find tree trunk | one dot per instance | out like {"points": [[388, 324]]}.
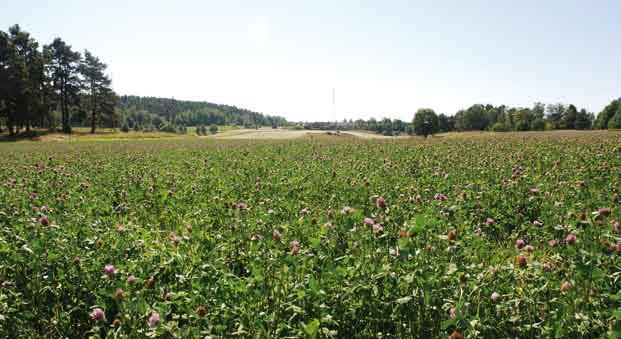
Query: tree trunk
{"points": [[93, 122], [9, 126]]}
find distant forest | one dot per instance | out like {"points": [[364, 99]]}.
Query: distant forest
{"points": [[150, 112]]}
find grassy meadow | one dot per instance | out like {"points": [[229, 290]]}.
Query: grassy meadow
{"points": [[476, 235]]}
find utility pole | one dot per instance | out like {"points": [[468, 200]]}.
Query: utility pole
{"points": [[336, 123]]}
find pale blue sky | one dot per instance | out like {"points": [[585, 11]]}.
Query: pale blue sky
{"points": [[385, 58]]}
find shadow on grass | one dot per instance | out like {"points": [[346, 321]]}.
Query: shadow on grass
{"points": [[33, 135]]}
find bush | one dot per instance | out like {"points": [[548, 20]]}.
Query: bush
{"points": [[499, 127], [615, 121], [538, 125], [522, 126], [213, 129], [168, 128]]}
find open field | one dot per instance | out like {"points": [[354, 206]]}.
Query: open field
{"points": [[225, 132], [506, 235]]}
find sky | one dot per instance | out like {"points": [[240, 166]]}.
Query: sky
{"points": [[379, 58]]}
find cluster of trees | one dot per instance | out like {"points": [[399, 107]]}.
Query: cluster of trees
{"points": [[150, 111], [202, 130], [610, 116], [40, 85], [502, 118], [384, 126]]}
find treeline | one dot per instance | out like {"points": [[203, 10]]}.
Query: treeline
{"points": [[149, 112], [384, 126], [51, 85], [481, 117], [501, 119]]}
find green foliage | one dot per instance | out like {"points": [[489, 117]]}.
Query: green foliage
{"points": [[538, 125], [499, 127], [607, 113], [425, 122], [615, 121], [206, 227], [213, 129], [194, 113], [100, 99], [583, 120]]}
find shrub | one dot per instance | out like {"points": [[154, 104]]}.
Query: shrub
{"points": [[213, 129], [499, 127], [615, 121], [538, 125]]}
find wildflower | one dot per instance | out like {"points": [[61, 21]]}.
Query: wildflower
{"points": [[380, 202], [495, 296], [201, 311], [294, 246], [452, 235], [520, 243], [566, 286], [616, 226], [43, 220], [154, 319], [489, 221], [150, 283], [604, 211], [119, 294], [120, 228], [440, 197], [131, 280], [97, 314], [455, 335], [276, 236], [109, 270], [378, 228], [521, 261], [552, 242], [369, 221], [529, 248], [570, 239], [538, 223]]}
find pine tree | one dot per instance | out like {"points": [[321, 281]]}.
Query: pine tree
{"points": [[100, 97], [64, 71]]}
